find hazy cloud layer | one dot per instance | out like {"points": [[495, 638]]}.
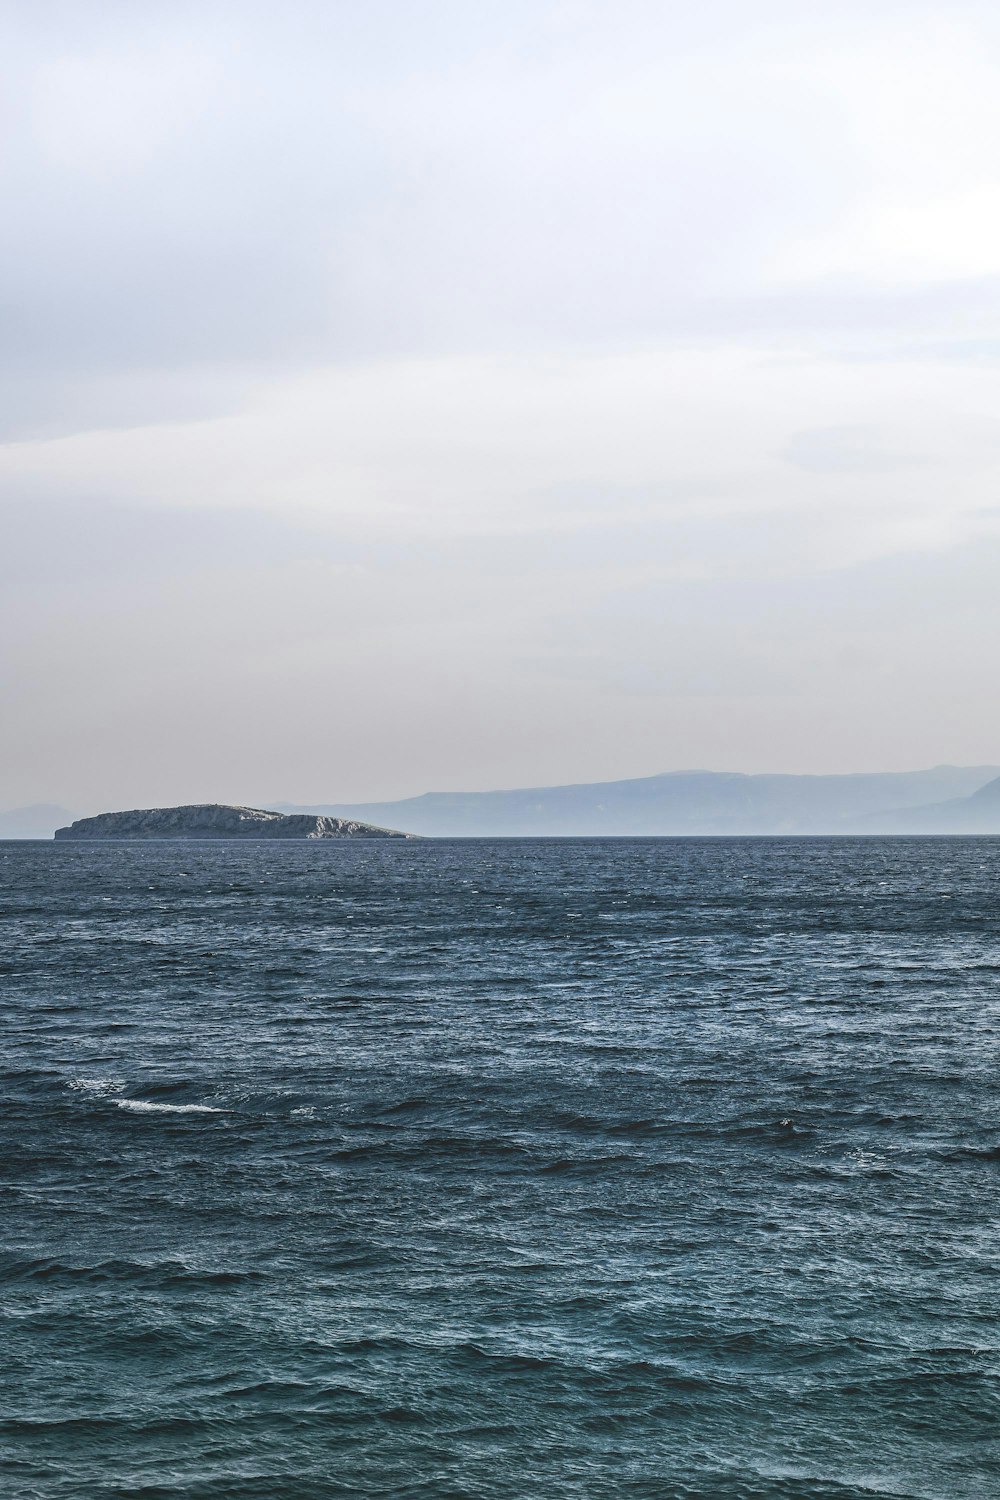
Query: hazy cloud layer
{"points": [[463, 394]]}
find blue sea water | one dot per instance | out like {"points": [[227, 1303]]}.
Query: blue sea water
{"points": [[660, 1170]]}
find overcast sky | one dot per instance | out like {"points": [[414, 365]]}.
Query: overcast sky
{"points": [[449, 394]]}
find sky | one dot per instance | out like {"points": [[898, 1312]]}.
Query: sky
{"points": [[456, 394]]}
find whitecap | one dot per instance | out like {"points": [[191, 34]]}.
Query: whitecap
{"points": [[150, 1106], [99, 1086]]}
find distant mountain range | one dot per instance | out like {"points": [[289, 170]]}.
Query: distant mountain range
{"points": [[979, 813], [39, 821], [944, 799]]}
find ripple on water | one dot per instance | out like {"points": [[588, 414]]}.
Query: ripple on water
{"points": [[663, 1170]]}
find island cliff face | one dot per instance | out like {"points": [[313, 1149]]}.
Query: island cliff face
{"points": [[215, 821]]}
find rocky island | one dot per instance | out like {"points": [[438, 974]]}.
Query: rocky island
{"points": [[214, 820]]}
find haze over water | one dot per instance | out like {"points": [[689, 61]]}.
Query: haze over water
{"points": [[500, 1169]]}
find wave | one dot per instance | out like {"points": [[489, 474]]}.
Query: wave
{"points": [[509, 1211], [101, 1088], [170, 1272], [113, 1090], [152, 1107]]}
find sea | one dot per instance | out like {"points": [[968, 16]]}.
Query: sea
{"points": [[619, 1169]]}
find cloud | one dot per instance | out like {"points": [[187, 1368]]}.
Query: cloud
{"points": [[425, 450], [447, 394], [857, 449], [209, 189]]}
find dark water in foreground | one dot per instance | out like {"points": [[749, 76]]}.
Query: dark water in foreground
{"points": [[439, 1170]]}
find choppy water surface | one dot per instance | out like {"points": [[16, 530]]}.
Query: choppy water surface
{"points": [[438, 1170]]}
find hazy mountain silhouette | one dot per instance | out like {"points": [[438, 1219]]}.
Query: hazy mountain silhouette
{"points": [[39, 821], [682, 802], [979, 813]]}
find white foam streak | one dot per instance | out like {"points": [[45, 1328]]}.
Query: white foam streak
{"points": [[148, 1106]]}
